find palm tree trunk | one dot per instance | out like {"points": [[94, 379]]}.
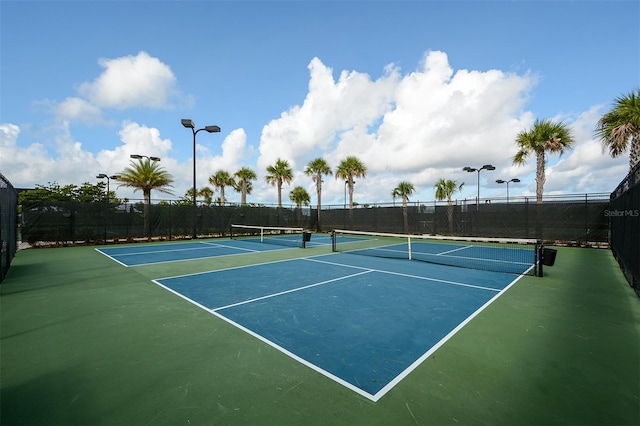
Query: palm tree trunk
{"points": [[540, 176], [634, 152], [147, 201], [279, 193], [350, 192], [405, 215], [243, 197], [450, 212]]}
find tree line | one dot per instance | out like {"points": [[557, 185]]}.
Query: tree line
{"points": [[618, 130]]}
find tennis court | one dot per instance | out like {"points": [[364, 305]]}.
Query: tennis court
{"points": [[281, 335], [363, 322]]}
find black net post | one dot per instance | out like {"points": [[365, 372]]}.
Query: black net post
{"points": [[333, 241], [538, 258]]}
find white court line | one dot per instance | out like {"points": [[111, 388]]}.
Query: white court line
{"points": [[437, 346], [209, 246], [451, 251], [292, 290], [382, 271], [228, 269], [112, 258]]}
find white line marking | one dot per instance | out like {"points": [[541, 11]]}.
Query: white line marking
{"points": [[437, 346], [292, 290], [406, 275]]}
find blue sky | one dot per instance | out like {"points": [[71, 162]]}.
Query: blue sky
{"points": [[417, 90]]}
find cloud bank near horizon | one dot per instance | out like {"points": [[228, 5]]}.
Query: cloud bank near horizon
{"points": [[417, 126]]}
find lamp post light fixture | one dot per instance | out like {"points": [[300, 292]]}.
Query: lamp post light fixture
{"points": [[188, 123], [472, 169], [138, 157], [106, 221], [515, 180]]}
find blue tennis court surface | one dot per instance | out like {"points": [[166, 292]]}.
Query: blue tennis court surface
{"points": [[134, 255], [364, 322]]}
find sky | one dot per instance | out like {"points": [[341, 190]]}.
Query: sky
{"points": [[416, 90]]}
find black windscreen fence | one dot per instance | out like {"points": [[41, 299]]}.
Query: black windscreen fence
{"points": [[8, 224], [575, 221], [624, 214], [72, 223], [568, 221]]}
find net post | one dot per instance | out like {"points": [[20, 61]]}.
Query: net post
{"points": [[409, 246], [231, 231], [333, 241], [262, 235], [538, 258]]}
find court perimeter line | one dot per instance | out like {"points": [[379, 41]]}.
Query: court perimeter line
{"points": [[301, 360], [112, 258], [228, 269], [382, 271], [389, 386], [209, 246]]}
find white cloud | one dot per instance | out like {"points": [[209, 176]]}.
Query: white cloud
{"points": [[330, 108], [8, 135], [586, 167], [77, 110], [131, 81], [420, 125]]}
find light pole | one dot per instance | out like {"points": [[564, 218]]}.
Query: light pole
{"points": [[106, 213], [515, 180], [188, 123], [472, 169]]}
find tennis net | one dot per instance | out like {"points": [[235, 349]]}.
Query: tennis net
{"points": [[292, 237], [514, 256]]}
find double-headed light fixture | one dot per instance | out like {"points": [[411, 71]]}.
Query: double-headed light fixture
{"points": [[514, 180], [472, 169], [188, 123], [139, 157]]}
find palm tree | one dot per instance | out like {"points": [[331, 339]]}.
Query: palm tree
{"points": [[619, 128], [545, 136], [444, 191], [146, 175], [300, 196], [207, 193], [277, 174], [318, 168], [403, 190], [221, 179], [348, 169], [244, 176]]}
